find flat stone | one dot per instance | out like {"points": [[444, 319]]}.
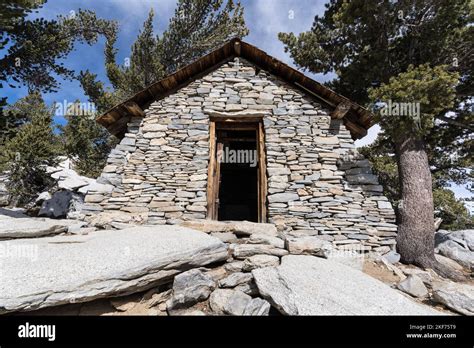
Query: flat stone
{"points": [[158, 142], [414, 286], [310, 245], [283, 197], [97, 188], [456, 252], [266, 239], [242, 251], [384, 205], [278, 171], [308, 285], [234, 266], [465, 235], [257, 307], [240, 228], [235, 302], [224, 236], [392, 257], [235, 279], [425, 276], [31, 227], [458, 297], [154, 127], [191, 287], [260, 261], [326, 140], [67, 269]]}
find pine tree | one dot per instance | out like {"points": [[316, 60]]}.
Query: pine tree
{"points": [[36, 47], [31, 150], [197, 27], [86, 142], [369, 42]]}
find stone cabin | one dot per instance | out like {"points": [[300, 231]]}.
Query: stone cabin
{"points": [[239, 135]]}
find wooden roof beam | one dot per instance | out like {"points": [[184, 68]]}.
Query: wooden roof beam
{"points": [[341, 110], [134, 109]]}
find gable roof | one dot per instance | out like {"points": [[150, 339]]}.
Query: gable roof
{"points": [[355, 117]]}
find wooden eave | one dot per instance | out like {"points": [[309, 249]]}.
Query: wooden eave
{"points": [[355, 117]]}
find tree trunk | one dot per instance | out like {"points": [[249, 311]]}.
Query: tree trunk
{"points": [[415, 240]]}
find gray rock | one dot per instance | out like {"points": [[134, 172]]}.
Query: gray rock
{"points": [[69, 180], [248, 288], [458, 297], [31, 227], [310, 245], [65, 269], [57, 206], [467, 236], [283, 197], [240, 228], [456, 252], [4, 196], [186, 312], [414, 286], [392, 257], [224, 236], [308, 285], [463, 237], [191, 287], [384, 205], [425, 276], [326, 140], [242, 251], [257, 307], [234, 266], [96, 187], [260, 261], [265, 239], [153, 299], [448, 262], [235, 279], [226, 301]]}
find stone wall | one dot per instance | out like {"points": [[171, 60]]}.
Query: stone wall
{"points": [[317, 182]]}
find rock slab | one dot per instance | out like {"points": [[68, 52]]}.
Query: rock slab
{"points": [[459, 297], [308, 285], [80, 268], [29, 227]]}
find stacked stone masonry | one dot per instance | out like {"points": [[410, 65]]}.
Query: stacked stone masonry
{"points": [[317, 182]]}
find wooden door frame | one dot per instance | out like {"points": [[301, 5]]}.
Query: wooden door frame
{"points": [[236, 123]]}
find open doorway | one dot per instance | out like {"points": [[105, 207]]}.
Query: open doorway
{"points": [[238, 187], [237, 171]]}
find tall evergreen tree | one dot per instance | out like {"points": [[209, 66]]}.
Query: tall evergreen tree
{"points": [[197, 27], [34, 147], [369, 42], [85, 142], [36, 47]]}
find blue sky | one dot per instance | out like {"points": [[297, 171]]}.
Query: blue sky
{"points": [[264, 18]]}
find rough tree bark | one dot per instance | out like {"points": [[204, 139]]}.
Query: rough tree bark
{"points": [[415, 240]]}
